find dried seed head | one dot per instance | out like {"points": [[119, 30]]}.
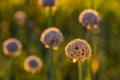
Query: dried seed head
{"points": [[20, 17], [12, 47], [48, 3], [89, 18], [78, 49], [33, 64], [51, 37]]}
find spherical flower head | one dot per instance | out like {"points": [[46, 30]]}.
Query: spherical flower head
{"points": [[48, 3], [78, 49], [51, 37], [12, 47], [89, 18], [20, 17], [33, 64]]}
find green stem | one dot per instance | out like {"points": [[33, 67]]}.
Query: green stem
{"points": [[11, 69], [49, 64], [94, 39], [50, 17], [50, 52], [88, 75], [79, 70], [32, 76], [22, 33]]}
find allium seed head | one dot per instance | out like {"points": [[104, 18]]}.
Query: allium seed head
{"points": [[51, 37], [89, 18], [12, 47], [78, 49], [48, 3], [20, 17], [33, 64]]}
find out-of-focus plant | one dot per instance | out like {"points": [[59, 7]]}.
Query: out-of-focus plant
{"points": [[78, 50], [12, 47], [33, 64], [51, 38], [89, 18]]}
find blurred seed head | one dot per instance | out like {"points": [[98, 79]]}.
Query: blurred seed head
{"points": [[20, 17], [95, 29], [30, 24], [51, 38], [95, 64], [12, 47], [4, 28], [89, 18], [48, 3], [33, 64], [78, 49]]}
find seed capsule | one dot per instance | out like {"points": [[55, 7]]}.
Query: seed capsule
{"points": [[78, 49]]}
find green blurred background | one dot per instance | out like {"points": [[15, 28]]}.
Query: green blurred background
{"points": [[64, 17]]}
